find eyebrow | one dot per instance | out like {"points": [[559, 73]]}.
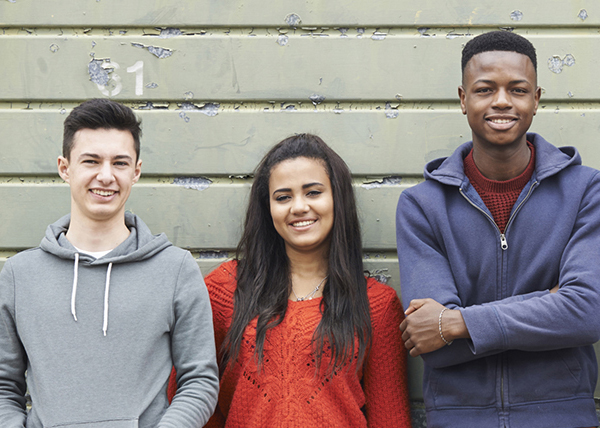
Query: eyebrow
{"points": [[304, 186], [96, 156], [512, 82]]}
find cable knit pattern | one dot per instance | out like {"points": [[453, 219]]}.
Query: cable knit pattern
{"points": [[287, 392]]}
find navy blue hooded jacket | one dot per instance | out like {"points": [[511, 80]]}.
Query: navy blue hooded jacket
{"points": [[529, 361]]}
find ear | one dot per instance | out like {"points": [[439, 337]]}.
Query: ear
{"points": [[538, 95], [462, 95], [63, 168], [138, 171]]}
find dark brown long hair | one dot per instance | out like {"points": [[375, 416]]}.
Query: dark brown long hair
{"points": [[263, 265]]}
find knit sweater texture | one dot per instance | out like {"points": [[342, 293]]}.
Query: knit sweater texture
{"points": [[287, 391], [499, 196]]}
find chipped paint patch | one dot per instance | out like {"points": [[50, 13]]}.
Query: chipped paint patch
{"points": [[423, 31], [209, 109], [151, 85], [343, 31], [208, 254], [157, 51], [293, 20], [98, 72], [516, 15], [386, 181], [556, 63], [391, 112], [582, 14], [169, 32], [316, 99], [377, 35], [195, 183], [282, 39], [189, 95], [53, 48], [570, 94]]}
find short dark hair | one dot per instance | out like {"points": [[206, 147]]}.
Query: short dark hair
{"points": [[498, 41], [101, 113]]}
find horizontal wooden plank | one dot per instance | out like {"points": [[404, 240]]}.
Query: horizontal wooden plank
{"points": [[242, 68], [209, 219], [310, 12], [233, 142]]}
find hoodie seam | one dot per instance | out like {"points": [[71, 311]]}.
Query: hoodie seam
{"points": [[176, 287]]}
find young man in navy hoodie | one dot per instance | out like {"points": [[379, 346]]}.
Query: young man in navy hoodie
{"points": [[500, 262], [101, 311]]}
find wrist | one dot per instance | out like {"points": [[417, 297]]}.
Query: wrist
{"points": [[453, 325]]}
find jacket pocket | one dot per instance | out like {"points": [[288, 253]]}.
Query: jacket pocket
{"points": [[540, 376], [468, 384]]}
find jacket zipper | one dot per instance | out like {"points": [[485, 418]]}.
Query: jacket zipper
{"points": [[504, 247]]}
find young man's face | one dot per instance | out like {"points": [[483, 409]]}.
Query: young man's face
{"points": [[101, 170], [500, 96]]}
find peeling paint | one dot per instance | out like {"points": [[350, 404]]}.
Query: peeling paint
{"points": [[399, 97], [288, 108], [423, 31], [338, 110], [316, 99], [209, 109], [386, 181], [53, 48], [377, 35], [154, 50], [188, 95], [391, 112], [556, 63], [343, 32], [212, 255], [63, 111], [293, 20], [582, 14], [98, 72], [167, 33], [360, 32], [151, 85], [195, 183], [570, 94], [516, 15], [379, 275], [282, 39]]}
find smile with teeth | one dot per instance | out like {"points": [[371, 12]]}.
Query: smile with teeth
{"points": [[500, 120], [303, 223], [103, 192]]}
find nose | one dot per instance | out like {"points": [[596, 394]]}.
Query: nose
{"points": [[502, 99], [299, 206], [105, 173]]}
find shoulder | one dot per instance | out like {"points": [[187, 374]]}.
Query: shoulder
{"points": [[380, 296], [27, 259], [221, 282]]}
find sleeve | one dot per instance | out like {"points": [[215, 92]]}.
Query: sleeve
{"points": [[566, 319], [385, 378], [193, 350], [425, 273], [13, 360]]}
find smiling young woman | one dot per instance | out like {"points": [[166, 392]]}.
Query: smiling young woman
{"points": [[304, 338]]}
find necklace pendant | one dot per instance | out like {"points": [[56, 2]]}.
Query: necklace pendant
{"points": [[300, 299]]}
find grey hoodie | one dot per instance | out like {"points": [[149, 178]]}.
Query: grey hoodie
{"points": [[98, 337]]}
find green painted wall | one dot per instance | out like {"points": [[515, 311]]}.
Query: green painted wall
{"points": [[217, 83]]}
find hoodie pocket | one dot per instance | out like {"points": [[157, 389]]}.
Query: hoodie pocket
{"points": [[108, 423], [539, 376]]}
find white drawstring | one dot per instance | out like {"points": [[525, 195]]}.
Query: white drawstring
{"points": [[74, 292], [107, 287]]}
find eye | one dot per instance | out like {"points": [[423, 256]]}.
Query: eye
{"points": [[483, 90], [314, 193], [282, 198], [520, 90], [90, 161], [121, 163]]}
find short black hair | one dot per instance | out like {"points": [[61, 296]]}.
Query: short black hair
{"points": [[101, 113], [498, 41]]}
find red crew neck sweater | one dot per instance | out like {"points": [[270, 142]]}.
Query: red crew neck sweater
{"points": [[287, 392], [499, 196]]}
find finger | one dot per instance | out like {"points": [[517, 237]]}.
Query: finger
{"points": [[403, 325]]}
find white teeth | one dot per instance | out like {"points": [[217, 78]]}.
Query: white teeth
{"points": [[102, 192], [303, 223], [501, 120]]}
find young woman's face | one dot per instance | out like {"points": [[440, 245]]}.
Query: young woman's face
{"points": [[301, 202]]}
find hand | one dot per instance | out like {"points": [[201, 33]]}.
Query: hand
{"points": [[420, 329]]}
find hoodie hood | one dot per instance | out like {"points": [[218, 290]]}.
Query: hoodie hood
{"points": [[548, 161], [139, 245]]}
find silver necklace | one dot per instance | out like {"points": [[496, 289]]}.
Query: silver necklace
{"points": [[310, 295]]}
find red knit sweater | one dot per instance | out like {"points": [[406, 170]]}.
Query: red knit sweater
{"points": [[499, 196], [286, 392]]}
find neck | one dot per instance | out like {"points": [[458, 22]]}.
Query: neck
{"points": [[307, 270], [503, 163], [92, 235]]}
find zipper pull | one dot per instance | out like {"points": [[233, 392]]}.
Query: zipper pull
{"points": [[503, 242]]}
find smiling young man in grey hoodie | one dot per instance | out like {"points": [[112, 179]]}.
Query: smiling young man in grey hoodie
{"points": [[101, 311]]}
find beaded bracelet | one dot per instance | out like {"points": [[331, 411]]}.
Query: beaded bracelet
{"points": [[440, 328]]}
